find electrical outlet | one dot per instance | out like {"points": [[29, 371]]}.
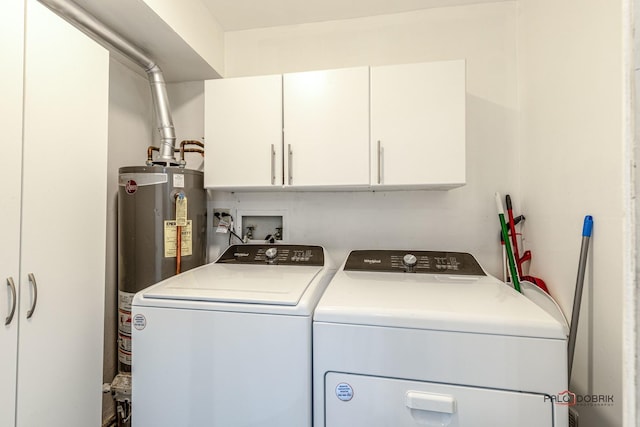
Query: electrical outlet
{"points": [[219, 213]]}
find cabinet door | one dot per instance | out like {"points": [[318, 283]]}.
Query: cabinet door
{"points": [[63, 224], [326, 128], [243, 132], [418, 125], [11, 68]]}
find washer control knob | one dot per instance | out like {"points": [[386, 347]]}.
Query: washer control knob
{"points": [[271, 253], [409, 260]]}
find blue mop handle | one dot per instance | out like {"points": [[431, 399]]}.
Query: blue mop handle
{"points": [[587, 228]]}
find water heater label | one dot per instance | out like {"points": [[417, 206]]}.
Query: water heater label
{"points": [[344, 392], [124, 300], [181, 210], [171, 239], [178, 180], [124, 349], [124, 326], [124, 312], [124, 357]]}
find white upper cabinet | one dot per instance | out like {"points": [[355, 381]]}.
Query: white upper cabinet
{"points": [[387, 128], [418, 125], [243, 133], [326, 128]]}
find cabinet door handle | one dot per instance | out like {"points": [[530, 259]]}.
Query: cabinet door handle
{"points": [[32, 280], [290, 165], [379, 162], [273, 164], [14, 299]]}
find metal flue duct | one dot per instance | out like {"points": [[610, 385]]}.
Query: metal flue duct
{"points": [[84, 21]]}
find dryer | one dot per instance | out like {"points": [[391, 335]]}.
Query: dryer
{"points": [[426, 338], [229, 343]]}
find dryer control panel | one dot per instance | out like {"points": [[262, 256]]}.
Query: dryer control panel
{"points": [[399, 261], [273, 254]]}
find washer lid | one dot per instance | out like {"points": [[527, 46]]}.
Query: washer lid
{"points": [[475, 304], [247, 284], [272, 275]]}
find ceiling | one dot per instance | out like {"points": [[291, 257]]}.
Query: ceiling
{"points": [[236, 15]]}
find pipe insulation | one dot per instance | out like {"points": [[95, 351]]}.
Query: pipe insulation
{"points": [[85, 22]]}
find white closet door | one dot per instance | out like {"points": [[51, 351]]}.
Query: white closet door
{"points": [[326, 128], [64, 222], [11, 68]]}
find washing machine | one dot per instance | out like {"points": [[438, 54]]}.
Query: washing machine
{"points": [[228, 344], [428, 338]]}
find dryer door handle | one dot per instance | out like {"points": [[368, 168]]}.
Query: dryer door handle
{"points": [[432, 402]]}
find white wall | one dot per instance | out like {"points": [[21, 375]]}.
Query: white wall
{"points": [[187, 106], [462, 219], [574, 162], [130, 118]]}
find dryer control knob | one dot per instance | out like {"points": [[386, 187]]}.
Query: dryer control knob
{"points": [[409, 260], [271, 253]]}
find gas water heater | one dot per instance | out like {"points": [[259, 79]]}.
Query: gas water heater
{"points": [[161, 232]]}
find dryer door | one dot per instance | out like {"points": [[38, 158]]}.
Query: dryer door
{"points": [[358, 400]]}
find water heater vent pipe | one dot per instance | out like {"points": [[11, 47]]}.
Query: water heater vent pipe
{"points": [[88, 24]]}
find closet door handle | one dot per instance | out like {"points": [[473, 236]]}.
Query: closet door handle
{"points": [[379, 162], [32, 280], [273, 164], [290, 164], [14, 299]]}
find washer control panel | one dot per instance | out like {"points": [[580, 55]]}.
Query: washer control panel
{"points": [[273, 254], [401, 261]]}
